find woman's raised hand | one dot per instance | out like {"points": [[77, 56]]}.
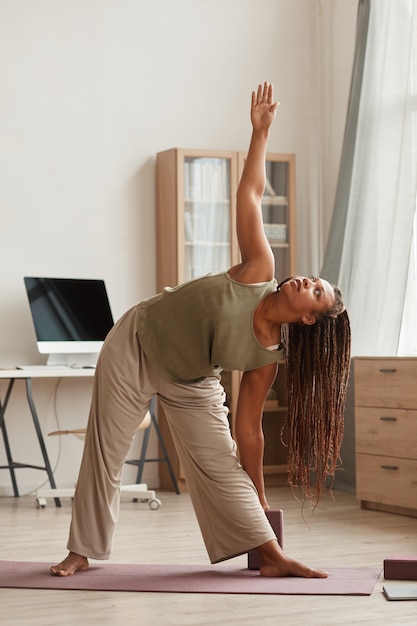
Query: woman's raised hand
{"points": [[263, 108]]}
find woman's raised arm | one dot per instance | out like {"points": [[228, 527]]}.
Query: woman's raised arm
{"points": [[257, 259]]}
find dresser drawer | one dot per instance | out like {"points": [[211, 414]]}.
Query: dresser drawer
{"points": [[386, 382], [387, 432], [387, 480]]}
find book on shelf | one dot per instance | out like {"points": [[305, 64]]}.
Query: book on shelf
{"points": [[276, 232], [206, 179]]}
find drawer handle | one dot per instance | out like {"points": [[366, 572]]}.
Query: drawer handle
{"points": [[387, 418], [389, 467], [387, 370]]}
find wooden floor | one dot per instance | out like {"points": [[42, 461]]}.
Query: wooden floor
{"points": [[338, 534]]}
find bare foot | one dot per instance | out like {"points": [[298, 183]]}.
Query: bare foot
{"points": [[275, 563], [290, 567], [73, 563]]}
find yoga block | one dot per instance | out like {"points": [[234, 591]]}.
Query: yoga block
{"points": [[276, 519], [401, 567]]}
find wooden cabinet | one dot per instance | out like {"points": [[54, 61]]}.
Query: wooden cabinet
{"points": [[278, 212], [386, 433], [196, 234]]}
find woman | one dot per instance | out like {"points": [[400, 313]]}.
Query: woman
{"points": [[175, 345]]}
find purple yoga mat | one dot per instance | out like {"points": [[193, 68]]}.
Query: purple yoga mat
{"points": [[187, 579]]}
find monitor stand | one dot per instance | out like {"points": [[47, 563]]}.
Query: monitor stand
{"points": [[77, 361]]}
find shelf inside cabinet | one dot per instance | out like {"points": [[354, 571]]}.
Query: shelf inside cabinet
{"points": [[272, 405], [222, 201], [223, 244], [275, 469], [275, 200], [275, 244]]}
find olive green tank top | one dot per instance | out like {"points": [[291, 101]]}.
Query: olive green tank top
{"points": [[204, 326]]}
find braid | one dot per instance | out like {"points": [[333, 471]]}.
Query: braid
{"points": [[318, 359]]}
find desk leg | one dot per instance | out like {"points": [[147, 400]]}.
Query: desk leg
{"points": [[6, 439], [40, 437]]}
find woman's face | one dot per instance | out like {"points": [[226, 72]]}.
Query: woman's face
{"points": [[307, 297]]}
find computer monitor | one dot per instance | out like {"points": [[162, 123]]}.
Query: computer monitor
{"points": [[72, 317]]}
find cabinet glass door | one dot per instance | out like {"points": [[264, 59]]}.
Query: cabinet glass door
{"points": [[207, 215], [275, 212], [278, 210]]}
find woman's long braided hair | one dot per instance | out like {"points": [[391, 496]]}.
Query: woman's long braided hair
{"points": [[318, 360]]}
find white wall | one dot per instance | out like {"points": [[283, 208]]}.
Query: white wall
{"points": [[91, 90]]}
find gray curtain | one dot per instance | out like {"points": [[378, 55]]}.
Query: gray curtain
{"points": [[333, 255], [370, 239]]}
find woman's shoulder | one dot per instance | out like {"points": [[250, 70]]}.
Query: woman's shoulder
{"points": [[272, 283]]}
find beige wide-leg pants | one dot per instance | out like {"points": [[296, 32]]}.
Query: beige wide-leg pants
{"points": [[224, 498]]}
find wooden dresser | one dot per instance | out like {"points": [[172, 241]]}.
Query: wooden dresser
{"points": [[386, 433]]}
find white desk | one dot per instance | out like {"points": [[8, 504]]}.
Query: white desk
{"points": [[27, 375]]}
